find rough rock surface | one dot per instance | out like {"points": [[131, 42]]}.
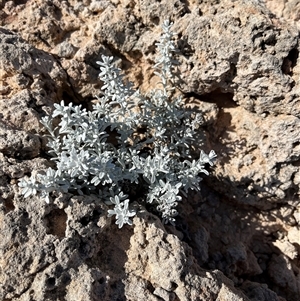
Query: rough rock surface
{"points": [[237, 240]]}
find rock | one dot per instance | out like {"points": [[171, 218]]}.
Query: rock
{"points": [[287, 248], [251, 177], [75, 265], [294, 235], [237, 239], [255, 291], [286, 10], [201, 238], [163, 294], [297, 216], [19, 144], [284, 276], [17, 112], [184, 280]]}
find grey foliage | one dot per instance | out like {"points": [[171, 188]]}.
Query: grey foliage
{"points": [[127, 141]]}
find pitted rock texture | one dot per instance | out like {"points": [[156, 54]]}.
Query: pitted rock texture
{"points": [[239, 239]]}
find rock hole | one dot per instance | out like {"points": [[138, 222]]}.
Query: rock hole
{"points": [[184, 47], [20, 2], [155, 20], [96, 214], [150, 287], [238, 21], [296, 163], [221, 99], [295, 144], [290, 62], [65, 279], [173, 286], [232, 72], [151, 50], [25, 218], [136, 54], [84, 221], [56, 222], [67, 98], [9, 205], [292, 192], [84, 249], [50, 281]]}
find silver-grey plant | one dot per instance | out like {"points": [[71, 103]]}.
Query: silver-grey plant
{"points": [[128, 142]]}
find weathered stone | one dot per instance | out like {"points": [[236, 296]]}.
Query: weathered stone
{"points": [[19, 144], [240, 66], [282, 273], [255, 291], [286, 248]]}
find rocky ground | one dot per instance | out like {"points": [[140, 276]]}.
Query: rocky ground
{"points": [[239, 239]]}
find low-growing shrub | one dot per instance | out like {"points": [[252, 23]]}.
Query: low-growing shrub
{"points": [[130, 144]]}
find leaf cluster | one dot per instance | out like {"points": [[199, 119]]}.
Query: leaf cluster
{"points": [[128, 141]]}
